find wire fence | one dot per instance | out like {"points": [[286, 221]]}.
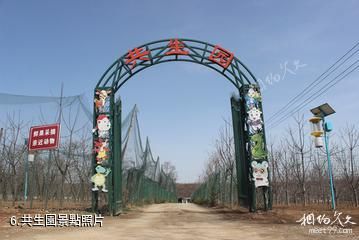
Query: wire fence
{"points": [[63, 176], [220, 188], [145, 180], [140, 189]]}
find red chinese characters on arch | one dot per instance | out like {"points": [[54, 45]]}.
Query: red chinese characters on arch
{"points": [[44, 137], [136, 54], [176, 48], [221, 56]]}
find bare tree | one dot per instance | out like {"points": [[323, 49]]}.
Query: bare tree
{"points": [[319, 172], [225, 151], [169, 170], [286, 170], [298, 147], [350, 139], [64, 161], [13, 152]]}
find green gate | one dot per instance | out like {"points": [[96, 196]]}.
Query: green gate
{"points": [[248, 125]]}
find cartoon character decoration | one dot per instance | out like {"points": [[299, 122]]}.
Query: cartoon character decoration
{"points": [[99, 179], [100, 101], [101, 148], [259, 163], [253, 93], [102, 138], [257, 146], [260, 173], [252, 98], [254, 120], [103, 125]]}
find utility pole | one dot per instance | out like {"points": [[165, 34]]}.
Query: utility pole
{"points": [[326, 140], [319, 128]]}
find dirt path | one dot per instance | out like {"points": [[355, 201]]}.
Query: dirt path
{"points": [[170, 221]]}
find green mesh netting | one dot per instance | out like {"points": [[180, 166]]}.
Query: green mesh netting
{"points": [[143, 178], [218, 188], [144, 181]]}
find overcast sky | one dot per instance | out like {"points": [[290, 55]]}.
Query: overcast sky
{"points": [[182, 105]]}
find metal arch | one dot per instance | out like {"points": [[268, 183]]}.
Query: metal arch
{"points": [[119, 72]]}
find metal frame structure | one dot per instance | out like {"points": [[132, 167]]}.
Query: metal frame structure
{"points": [[170, 50], [119, 72]]}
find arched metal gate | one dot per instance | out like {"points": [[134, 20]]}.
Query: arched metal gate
{"points": [[247, 114]]}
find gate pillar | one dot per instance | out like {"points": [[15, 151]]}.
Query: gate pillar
{"points": [[241, 156], [255, 142]]}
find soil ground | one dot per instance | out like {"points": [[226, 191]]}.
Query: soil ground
{"points": [[180, 221]]}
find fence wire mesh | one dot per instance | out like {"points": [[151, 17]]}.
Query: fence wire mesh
{"points": [[219, 188], [144, 179]]}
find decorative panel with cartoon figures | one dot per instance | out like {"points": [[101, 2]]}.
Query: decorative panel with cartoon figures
{"points": [[102, 100], [102, 135], [256, 137]]}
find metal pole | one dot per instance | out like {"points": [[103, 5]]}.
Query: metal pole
{"points": [[48, 181], [31, 177], [329, 165], [26, 173]]}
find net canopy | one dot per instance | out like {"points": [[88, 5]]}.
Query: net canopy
{"points": [[144, 179], [76, 100]]}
